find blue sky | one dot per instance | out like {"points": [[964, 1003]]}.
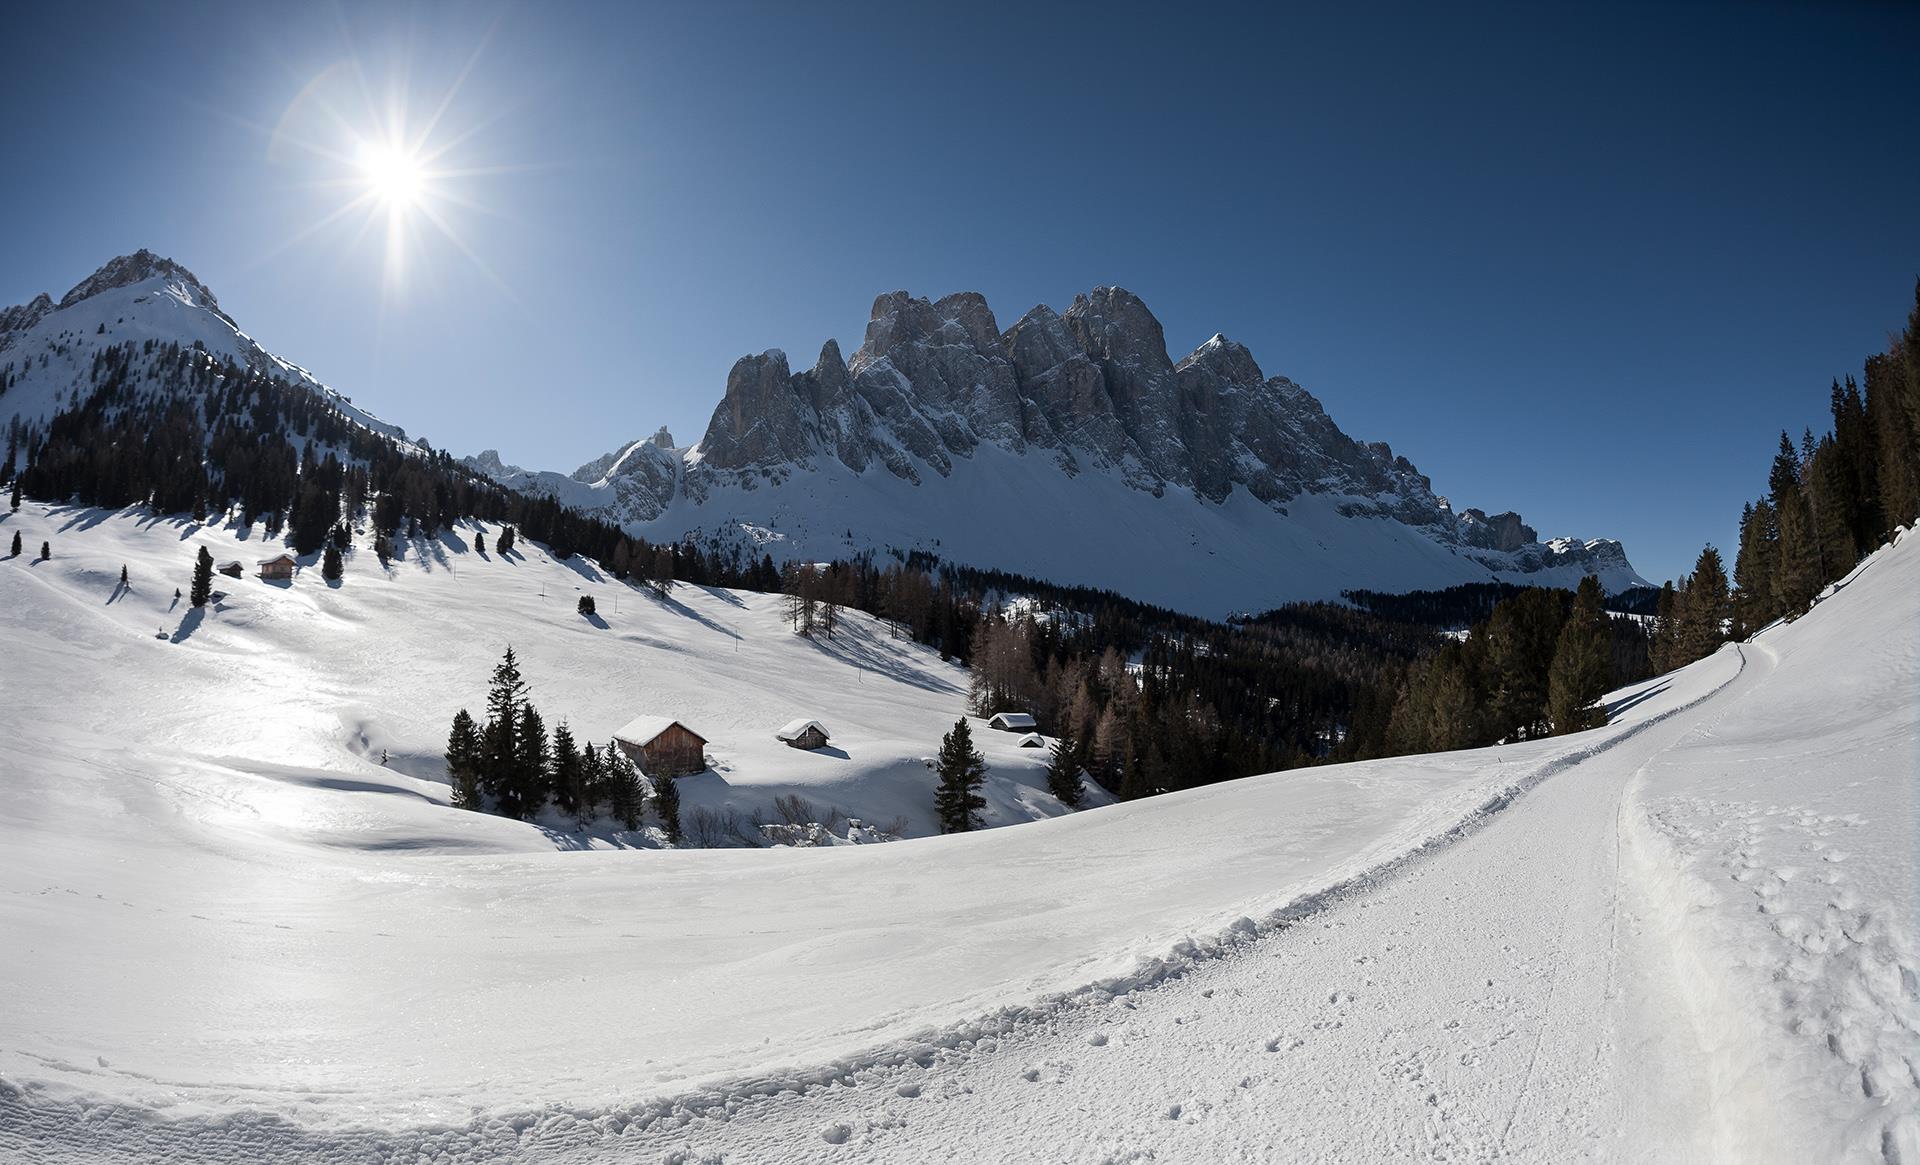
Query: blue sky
{"points": [[1582, 262]]}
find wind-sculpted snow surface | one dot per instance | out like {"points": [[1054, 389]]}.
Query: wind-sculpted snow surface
{"points": [[1685, 936]]}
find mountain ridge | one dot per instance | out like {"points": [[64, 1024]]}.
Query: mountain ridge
{"points": [[1090, 392]]}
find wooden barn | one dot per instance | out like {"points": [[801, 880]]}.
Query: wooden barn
{"points": [[1013, 722], [279, 566], [232, 569], [804, 734], [662, 746], [1032, 740]]}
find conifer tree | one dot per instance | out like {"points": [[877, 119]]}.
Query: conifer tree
{"points": [[961, 771], [1753, 569], [569, 773], [626, 800], [1581, 663], [46, 551], [480, 541], [463, 761], [666, 807], [532, 773], [202, 588], [1063, 770], [331, 568], [1703, 624], [500, 738], [13, 501], [16, 543], [123, 576], [506, 541]]}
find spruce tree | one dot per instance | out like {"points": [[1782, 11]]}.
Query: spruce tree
{"points": [[499, 740], [1704, 624], [16, 543], [666, 807], [463, 761], [202, 588], [123, 577], [13, 502], [331, 567], [480, 541], [46, 551], [532, 770], [1063, 770], [569, 773], [1753, 569], [506, 541], [1581, 663], [962, 771]]}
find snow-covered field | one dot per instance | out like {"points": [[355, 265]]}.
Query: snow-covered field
{"points": [[231, 934]]}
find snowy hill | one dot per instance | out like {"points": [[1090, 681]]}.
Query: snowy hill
{"points": [[1688, 935], [1072, 447]]}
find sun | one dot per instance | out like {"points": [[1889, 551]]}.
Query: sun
{"points": [[395, 176]]}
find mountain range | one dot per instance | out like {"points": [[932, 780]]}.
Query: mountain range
{"points": [[1070, 446]]}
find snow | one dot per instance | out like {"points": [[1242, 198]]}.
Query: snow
{"points": [[1687, 935], [1012, 721]]}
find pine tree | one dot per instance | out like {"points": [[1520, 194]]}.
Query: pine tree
{"points": [[666, 807], [480, 541], [962, 771], [331, 567], [1703, 626], [123, 577], [499, 740], [1753, 569], [16, 543], [569, 773], [532, 771], [1063, 770], [1664, 650], [506, 541], [463, 761], [626, 800], [1796, 565], [202, 588], [46, 551], [1581, 663], [13, 502]]}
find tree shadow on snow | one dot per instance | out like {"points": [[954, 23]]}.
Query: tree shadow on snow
{"points": [[1621, 705], [851, 647], [583, 567], [189, 623], [595, 619], [681, 609]]}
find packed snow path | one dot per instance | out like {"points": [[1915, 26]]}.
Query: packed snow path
{"points": [[1684, 937]]}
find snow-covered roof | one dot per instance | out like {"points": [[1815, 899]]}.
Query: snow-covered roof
{"points": [[1014, 720], [279, 558], [641, 730], [794, 728], [1032, 740]]}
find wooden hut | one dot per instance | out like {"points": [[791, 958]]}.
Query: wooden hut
{"points": [[804, 734], [233, 569], [280, 566], [1013, 722], [1032, 740], [662, 746]]}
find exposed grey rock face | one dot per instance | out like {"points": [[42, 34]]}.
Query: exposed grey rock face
{"points": [[1091, 388], [130, 269]]}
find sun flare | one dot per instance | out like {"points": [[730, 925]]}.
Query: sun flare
{"points": [[393, 174]]}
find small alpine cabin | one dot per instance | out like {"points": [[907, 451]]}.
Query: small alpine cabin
{"points": [[1013, 722], [233, 569], [1032, 740], [803, 734], [278, 567], [662, 746]]}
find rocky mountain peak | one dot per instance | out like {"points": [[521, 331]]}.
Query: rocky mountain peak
{"points": [[127, 270]]}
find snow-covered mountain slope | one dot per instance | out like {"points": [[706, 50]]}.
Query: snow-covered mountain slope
{"points": [[47, 349], [1688, 935], [1069, 446]]}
